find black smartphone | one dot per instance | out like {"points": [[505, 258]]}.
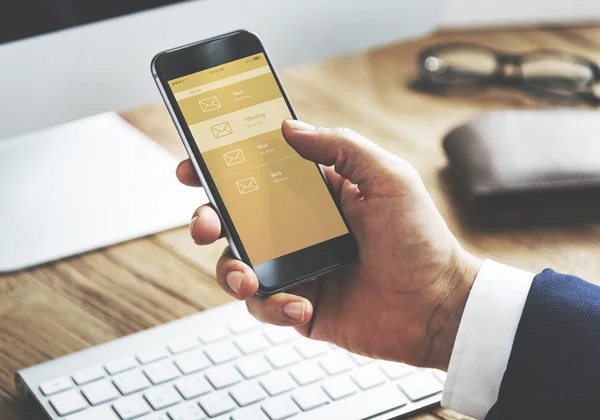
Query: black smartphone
{"points": [[278, 211]]}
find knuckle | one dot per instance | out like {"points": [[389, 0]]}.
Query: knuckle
{"points": [[408, 171], [347, 133], [223, 261], [199, 209], [226, 252], [255, 307], [322, 131], [341, 161], [250, 307], [342, 134]]}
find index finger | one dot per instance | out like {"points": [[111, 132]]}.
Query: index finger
{"points": [[186, 174]]}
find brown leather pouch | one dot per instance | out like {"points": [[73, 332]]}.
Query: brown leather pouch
{"points": [[527, 167]]}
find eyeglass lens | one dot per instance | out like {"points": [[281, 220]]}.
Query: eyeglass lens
{"points": [[556, 74], [461, 66]]}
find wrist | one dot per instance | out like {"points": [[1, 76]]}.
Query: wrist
{"points": [[455, 287]]}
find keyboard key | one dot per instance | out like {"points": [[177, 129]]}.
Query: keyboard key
{"points": [[310, 398], [120, 365], [396, 370], [311, 348], [247, 393], [213, 335], [250, 413], [366, 404], [253, 366], [161, 372], [158, 416], [223, 376], [339, 387], [279, 335], [193, 386], [84, 376], [217, 403], [192, 361], [251, 342], [183, 345], [188, 411], [56, 385], [152, 355], [100, 392], [130, 382], [420, 385], [222, 352], [131, 407], [68, 402], [368, 377], [336, 362], [162, 397], [280, 408], [277, 383], [104, 412], [361, 360], [282, 356], [244, 324], [307, 373]]}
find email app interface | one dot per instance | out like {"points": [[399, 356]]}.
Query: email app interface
{"points": [[277, 200]]}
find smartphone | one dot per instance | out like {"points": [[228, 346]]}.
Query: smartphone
{"points": [[279, 214]]}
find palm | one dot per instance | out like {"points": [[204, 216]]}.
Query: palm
{"points": [[356, 306]]}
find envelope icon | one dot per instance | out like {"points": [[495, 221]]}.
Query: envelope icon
{"points": [[221, 130], [210, 104], [234, 157], [247, 185]]}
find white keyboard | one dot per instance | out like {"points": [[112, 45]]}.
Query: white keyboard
{"points": [[222, 364]]}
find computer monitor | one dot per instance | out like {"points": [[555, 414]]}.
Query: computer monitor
{"points": [[65, 60]]}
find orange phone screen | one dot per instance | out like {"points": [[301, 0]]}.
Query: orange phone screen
{"points": [[277, 200]]}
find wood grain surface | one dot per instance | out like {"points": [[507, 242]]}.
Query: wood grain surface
{"points": [[69, 305]]}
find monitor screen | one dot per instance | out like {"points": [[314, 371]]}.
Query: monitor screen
{"points": [[21, 19]]}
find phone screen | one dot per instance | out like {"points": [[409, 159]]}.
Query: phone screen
{"points": [[277, 201]]}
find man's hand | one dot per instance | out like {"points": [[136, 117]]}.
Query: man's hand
{"points": [[404, 298]]}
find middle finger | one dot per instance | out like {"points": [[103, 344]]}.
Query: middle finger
{"points": [[236, 277]]}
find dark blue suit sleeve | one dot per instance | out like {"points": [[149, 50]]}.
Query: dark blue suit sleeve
{"points": [[554, 367]]}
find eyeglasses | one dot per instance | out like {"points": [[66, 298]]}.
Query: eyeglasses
{"points": [[462, 68]]}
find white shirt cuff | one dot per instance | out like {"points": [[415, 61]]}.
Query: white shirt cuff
{"points": [[485, 338]]}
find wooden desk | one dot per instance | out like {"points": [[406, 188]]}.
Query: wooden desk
{"points": [[73, 304]]}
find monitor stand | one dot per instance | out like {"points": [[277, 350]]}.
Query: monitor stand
{"points": [[82, 186]]}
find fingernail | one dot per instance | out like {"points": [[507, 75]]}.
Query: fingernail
{"points": [[234, 280], [301, 125], [192, 223], [295, 310]]}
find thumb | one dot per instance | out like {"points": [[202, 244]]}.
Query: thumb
{"points": [[354, 157]]}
